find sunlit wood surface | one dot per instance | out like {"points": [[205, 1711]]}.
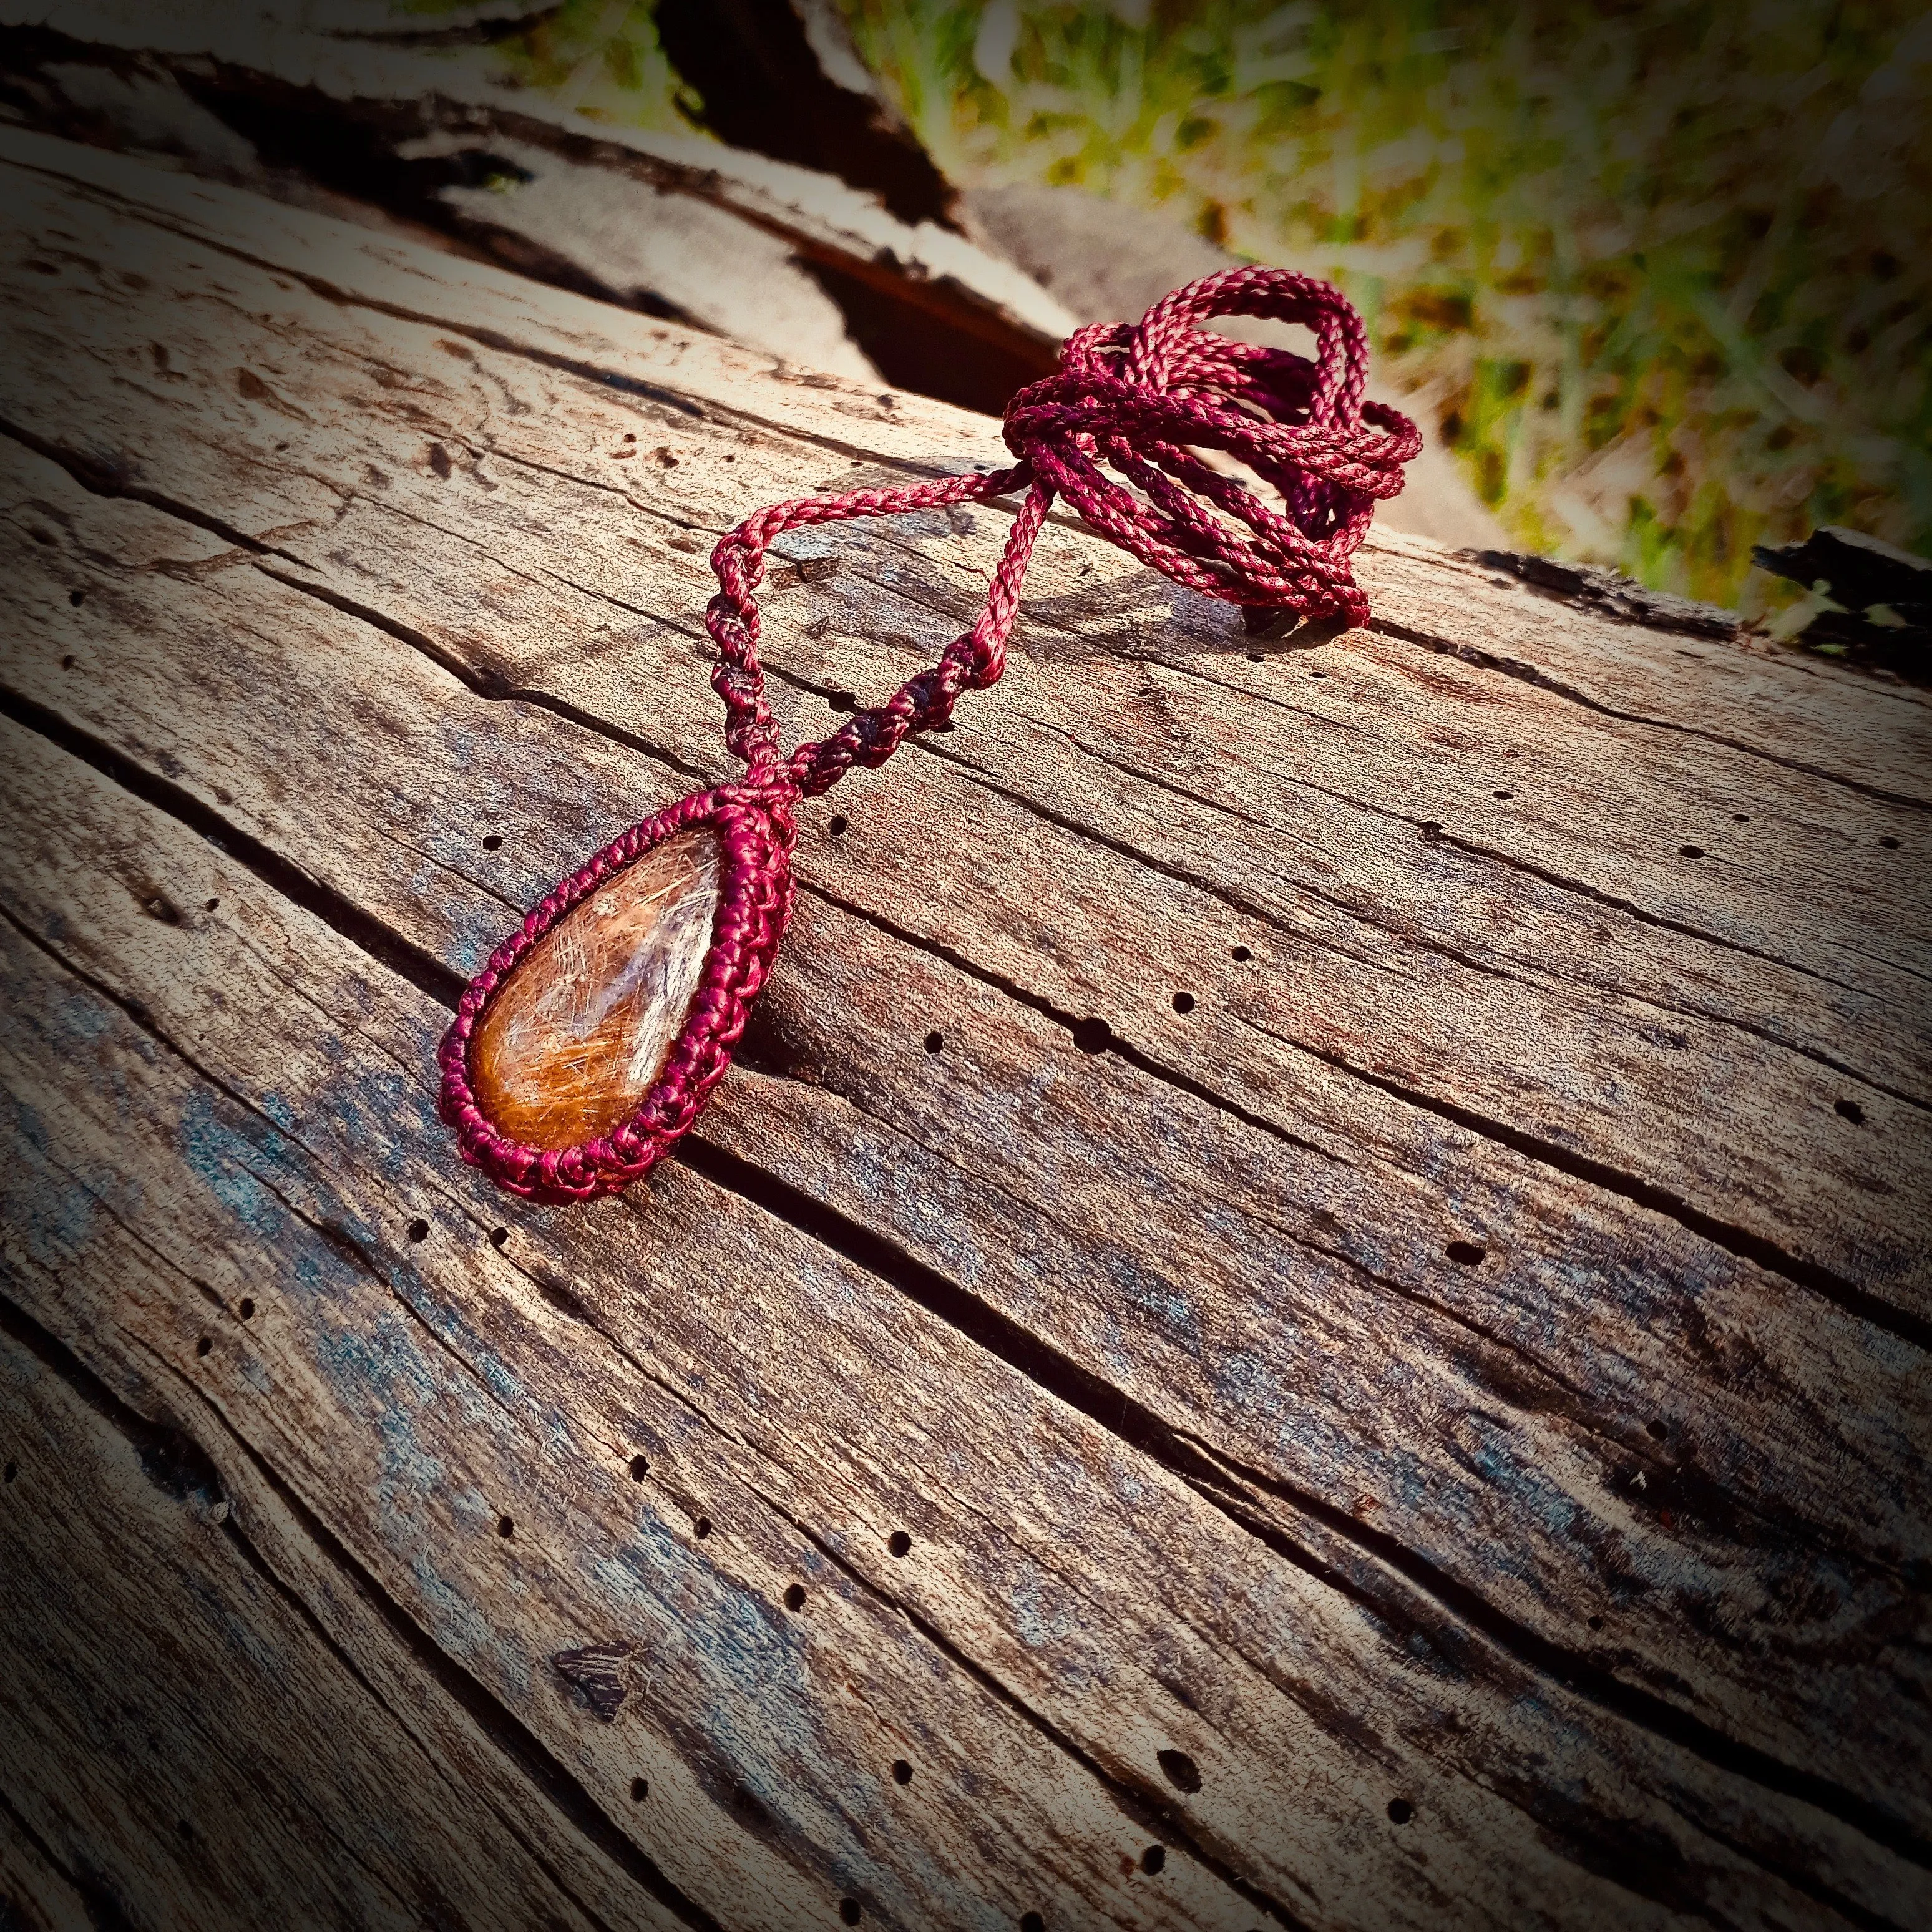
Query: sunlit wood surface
{"points": [[1308, 1305]]}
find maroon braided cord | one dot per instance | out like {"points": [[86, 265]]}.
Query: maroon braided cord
{"points": [[1140, 400]]}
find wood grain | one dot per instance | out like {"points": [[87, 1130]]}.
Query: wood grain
{"points": [[1206, 1441], [403, 101], [283, 1777], [1049, 1591]]}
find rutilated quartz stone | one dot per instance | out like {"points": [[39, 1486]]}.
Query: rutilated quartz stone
{"points": [[577, 1034]]}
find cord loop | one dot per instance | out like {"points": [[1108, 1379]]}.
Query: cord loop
{"points": [[1146, 401]]}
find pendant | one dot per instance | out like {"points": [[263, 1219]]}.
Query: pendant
{"points": [[591, 1040], [588, 1043]]}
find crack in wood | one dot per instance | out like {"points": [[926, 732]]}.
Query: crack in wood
{"points": [[1100, 1413], [1814, 1888], [1597, 896], [408, 961], [1578, 888], [493, 1718], [149, 1439], [487, 686], [790, 431], [1237, 902], [1575, 1671], [1147, 1807], [1112, 1043], [1574, 1410], [104, 1909], [1219, 1480], [337, 1238], [484, 684], [1739, 1241], [137, 1016], [1784, 1042], [1530, 674], [1276, 922], [709, 1160]]}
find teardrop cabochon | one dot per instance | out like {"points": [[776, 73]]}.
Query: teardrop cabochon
{"points": [[735, 842]]}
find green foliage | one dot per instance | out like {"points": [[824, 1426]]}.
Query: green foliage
{"points": [[600, 57], [1662, 271]]}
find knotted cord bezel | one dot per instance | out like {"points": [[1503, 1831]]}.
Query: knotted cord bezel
{"points": [[1120, 431]]}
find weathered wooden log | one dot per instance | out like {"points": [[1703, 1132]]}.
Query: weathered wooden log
{"points": [[1317, 1267], [427, 126], [862, 261]]}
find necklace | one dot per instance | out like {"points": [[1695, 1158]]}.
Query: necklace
{"points": [[587, 1046]]}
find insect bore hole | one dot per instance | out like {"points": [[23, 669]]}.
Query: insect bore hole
{"points": [[1153, 1858], [794, 1597], [1849, 1110], [245, 1308], [1183, 1002], [934, 1041], [838, 825], [204, 1346], [77, 598], [1031, 1922], [848, 1911], [499, 1237], [1466, 1254], [899, 1543], [12, 1470], [1691, 851], [639, 1469], [901, 1772], [1890, 844], [1092, 1036], [1400, 1810], [702, 1527], [493, 841], [1241, 954], [1179, 1770], [640, 1790], [505, 1528], [419, 1230], [1658, 1430]]}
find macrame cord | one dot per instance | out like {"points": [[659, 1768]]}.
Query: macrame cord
{"points": [[1140, 400]]}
